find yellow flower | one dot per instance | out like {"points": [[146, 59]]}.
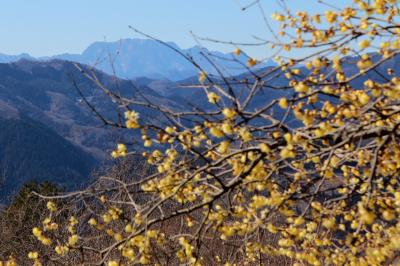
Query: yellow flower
{"points": [[216, 132], [301, 87], [366, 216], [251, 62], [144, 259], [118, 237], [388, 215], [278, 17], [213, 97], [202, 77], [72, 240], [128, 228], [128, 253], [120, 151], [330, 16], [245, 134], [227, 128], [152, 233], [397, 198], [147, 143], [287, 153], [189, 221], [103, 198], [131, 115], [369, 84], [329, 223], [92, 221], [317, 19], [288, 137], [363, 98], [51, 206], [61, 250], [285, 242], [45, 241], [283, 103], [364, 44], [237, 51], [131, 119], [259, 202], [264, 147], [112, 263], [229, 113], [311, 226], [36, 232], [33, 255], [276, 134], [121, 148], [223, 147]]}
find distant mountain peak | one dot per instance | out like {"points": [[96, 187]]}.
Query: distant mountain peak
{"points": [[133, 57]]}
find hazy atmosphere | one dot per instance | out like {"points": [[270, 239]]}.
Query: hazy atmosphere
{"points": [[225, 132]]}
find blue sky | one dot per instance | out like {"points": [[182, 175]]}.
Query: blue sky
{"points": [[48, 27]]}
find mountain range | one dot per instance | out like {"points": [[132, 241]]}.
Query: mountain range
{"points": [[133, 58], [48, 132]]}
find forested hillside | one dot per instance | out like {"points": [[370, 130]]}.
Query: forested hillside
{"points": [[31, 151]]}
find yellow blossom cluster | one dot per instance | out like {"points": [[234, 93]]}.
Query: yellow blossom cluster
{"points": [[314, 166]]}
